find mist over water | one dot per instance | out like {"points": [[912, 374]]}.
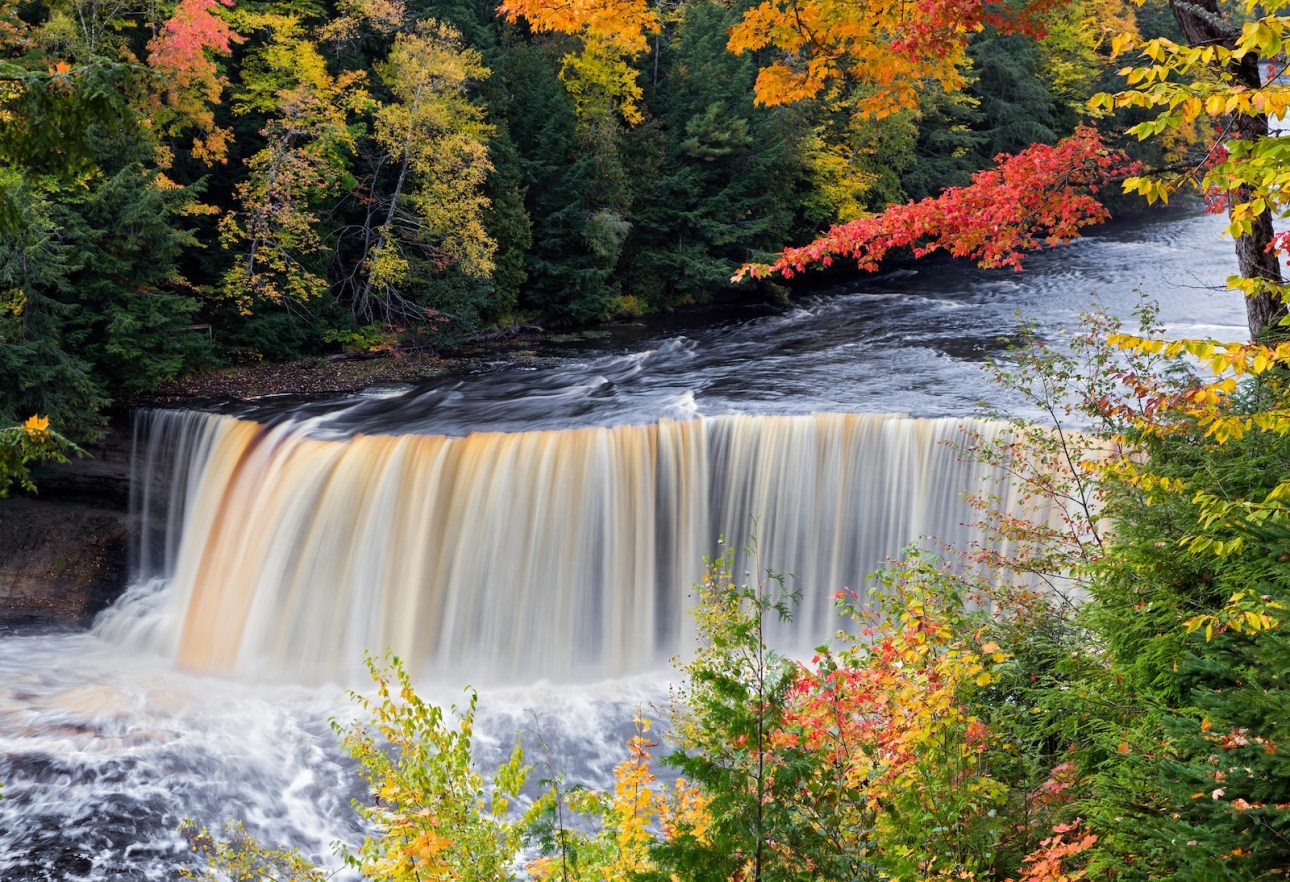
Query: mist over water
{"points": [[108, 739]]}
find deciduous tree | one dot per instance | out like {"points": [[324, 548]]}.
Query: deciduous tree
{"points": [[434, 138]]}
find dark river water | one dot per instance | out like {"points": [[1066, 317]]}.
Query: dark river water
{"points": [[909, 341], [105, 748]]}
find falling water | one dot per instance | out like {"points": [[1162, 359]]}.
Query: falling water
{"points": [[549, 554], [280, 552]]}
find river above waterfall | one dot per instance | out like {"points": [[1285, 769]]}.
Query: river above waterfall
{"points": [[107, 740], [908, 341]]}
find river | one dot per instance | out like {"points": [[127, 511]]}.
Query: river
{"points": [[109, 738]]}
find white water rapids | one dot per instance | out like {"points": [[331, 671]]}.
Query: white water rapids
{"points": [[532, 529]]}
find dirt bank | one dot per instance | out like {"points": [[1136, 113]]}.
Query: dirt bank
{"points": [[308, 378]]}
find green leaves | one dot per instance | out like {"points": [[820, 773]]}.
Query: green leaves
{"points": [[21, 446], [723, 720], [433, 815]]}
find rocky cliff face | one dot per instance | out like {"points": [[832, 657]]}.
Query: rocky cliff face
{"points": [[63, 552]]}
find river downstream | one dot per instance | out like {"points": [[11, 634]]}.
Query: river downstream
{"points": [[109, 738]]}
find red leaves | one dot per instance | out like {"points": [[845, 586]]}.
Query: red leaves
{"points": [[179, 50], [1040, 196], [182, 52]]}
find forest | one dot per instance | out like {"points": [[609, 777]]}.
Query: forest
{"points": [[1102, 694], [204, 183]]}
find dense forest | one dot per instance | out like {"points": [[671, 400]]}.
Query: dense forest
{"points": [[203, 183], [1101, 693]]}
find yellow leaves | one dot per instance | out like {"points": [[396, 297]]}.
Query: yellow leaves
{"points": [[1240, 359], [36, 426], [428, 819], [1121, 43], [1244, 612], [1188, 86], [1154, 189], [1262, 37], [13, 301], [601, 82]]}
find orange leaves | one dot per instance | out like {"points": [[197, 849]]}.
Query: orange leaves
{"points": [[634, 807], [816, 45], [1042, 195], [1048, 862], [183, 52], [829, 44], [622, 24], [36, 426]]}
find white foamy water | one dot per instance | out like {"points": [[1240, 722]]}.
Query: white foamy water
{"points": [[528, 554]]}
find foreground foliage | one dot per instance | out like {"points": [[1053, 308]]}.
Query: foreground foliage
{"points": [[1106, 700], [21, 446]]}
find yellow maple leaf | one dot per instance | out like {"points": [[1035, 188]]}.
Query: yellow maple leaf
{"points": [[36, 425]]}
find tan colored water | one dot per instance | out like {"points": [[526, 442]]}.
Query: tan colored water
{"points": [[551, 554]]}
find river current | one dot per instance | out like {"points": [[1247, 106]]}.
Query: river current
{"points": [[107, 743]]}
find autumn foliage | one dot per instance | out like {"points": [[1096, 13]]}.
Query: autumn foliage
{"points": [[1043, 195], [884, 51], [23, 447], [185, 54]]}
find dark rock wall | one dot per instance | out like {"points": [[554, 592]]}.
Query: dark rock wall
{"points": [[64, 551]]}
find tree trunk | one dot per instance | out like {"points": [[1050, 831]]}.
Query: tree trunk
{"points": [[1203, 24]]}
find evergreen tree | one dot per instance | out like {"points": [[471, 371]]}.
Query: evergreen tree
{"points": [[38, 375], [734, 698], [1015, 107], [570, 271], [723, 187], [132, 308], [1203, 775]]}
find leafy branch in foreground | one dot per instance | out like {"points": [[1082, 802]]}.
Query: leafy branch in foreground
{"points": [[431, 813], [723, 719], [433, 816], [239, 857], [32, 442]]}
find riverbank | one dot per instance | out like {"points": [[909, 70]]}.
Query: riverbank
{"points": [[64, 551], [309, 377]]}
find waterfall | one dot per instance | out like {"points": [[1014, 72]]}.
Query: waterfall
{"points": [[513, 556]]}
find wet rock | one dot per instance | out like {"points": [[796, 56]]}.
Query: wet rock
{"points": [[63, 552]]}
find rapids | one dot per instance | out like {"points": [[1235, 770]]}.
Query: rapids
{"points": [[530, 528]]}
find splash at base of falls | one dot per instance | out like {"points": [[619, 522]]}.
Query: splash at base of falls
{"points": [[518, 556], [103, 753]]}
